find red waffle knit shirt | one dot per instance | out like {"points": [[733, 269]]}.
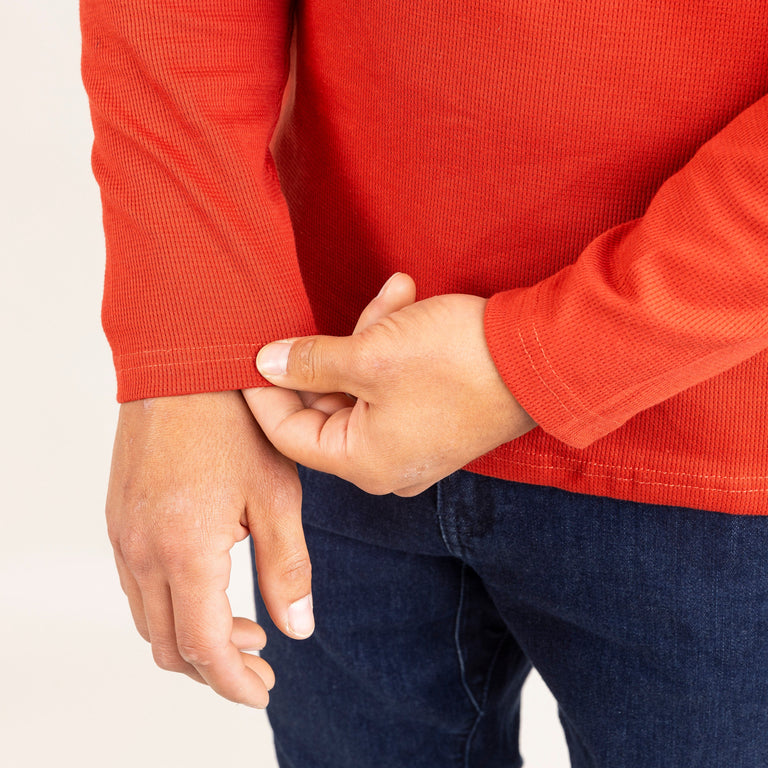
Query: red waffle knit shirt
{"points": [[598, 170]]}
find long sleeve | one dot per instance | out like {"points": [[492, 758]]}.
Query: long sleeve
{"points": [[201, 265], [651, 307]]}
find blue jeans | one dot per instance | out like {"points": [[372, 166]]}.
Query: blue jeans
{"points": [[649, 625]]}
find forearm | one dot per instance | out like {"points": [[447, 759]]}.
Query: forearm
{"points": [[652, 307], [184, 98]]}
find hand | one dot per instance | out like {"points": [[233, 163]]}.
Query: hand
{"points": [[428, 396], [190, 477]]}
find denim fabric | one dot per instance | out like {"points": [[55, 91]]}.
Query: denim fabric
{"points": [[649, 624]]}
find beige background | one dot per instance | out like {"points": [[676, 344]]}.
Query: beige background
{"points": [[79, 687]]}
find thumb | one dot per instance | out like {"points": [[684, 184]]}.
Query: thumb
{"points": [[398, 292], [280, 554], [311, 364]]}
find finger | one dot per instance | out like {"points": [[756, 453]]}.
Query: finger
{"points": [[328, 404], [325, 403], [280, 551], [204, 628], [133, 593], [258, 665], [305, 435], [162, 635], [322, 364], [398, 292], [247, 635]]}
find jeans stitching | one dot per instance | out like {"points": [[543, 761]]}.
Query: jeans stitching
{"points": [[440, 524], [457, 641], [484, 696]]}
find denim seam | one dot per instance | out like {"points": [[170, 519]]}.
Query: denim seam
{"points": [[483, 698], [457, 641], [441, 526], [470, 736]]}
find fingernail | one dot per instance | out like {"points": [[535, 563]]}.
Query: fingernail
{"points": [[384, 287], [272, 360], [301, 620]]}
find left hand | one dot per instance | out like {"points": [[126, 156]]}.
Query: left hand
{"points": [[426, 397]]}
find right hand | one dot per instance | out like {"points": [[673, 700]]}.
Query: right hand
{"points": [[191, 476]]}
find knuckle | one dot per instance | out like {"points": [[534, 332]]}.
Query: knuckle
{"points": [[146, 550], [132, 545], [167, 659], [193, 654], [304, 361], [169, 548], [198, 653], [296, 569]]}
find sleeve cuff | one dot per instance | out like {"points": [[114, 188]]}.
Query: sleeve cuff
{"points": [[522, 361], [166, 373]]}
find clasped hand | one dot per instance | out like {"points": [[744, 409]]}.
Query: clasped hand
{"points": [[410, 397]]}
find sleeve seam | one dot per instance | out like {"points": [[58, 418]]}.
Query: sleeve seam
{"points": [[167, 350], [178, 364]]}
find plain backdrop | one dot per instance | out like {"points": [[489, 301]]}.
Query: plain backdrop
{"points": [[79, 687]]}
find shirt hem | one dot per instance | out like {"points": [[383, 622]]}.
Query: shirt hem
{"points": [[740, 495]]}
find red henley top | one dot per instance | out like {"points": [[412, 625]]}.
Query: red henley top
{"points": [[599, 170]]}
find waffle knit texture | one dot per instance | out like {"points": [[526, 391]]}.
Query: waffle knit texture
{"points": [[598, 170]]}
